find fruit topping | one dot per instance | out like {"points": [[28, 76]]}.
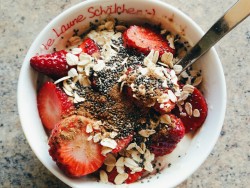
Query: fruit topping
{"points": [[89, 46], [193, 110], [168, 134], [144, 40], [151, 85], [53, 65], [70, 148], [127, 176], [53, 105], [122, 143]]}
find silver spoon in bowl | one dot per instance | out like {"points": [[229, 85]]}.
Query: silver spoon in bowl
{"points": [[236, 14]]}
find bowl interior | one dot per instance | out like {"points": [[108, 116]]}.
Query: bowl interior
{"points": [[191, 151]]}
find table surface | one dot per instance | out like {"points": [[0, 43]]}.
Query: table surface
{"points": [[228, 163]]}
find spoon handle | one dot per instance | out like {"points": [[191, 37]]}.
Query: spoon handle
{"points": [[237, 13]]}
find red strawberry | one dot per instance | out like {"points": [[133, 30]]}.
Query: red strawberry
{"points": [[145, 39], [53, 105], [122, 143], [69, 147], [198, 102], [162, 148], [131, 177], [90, 47], [53, 65], [167, 136]]}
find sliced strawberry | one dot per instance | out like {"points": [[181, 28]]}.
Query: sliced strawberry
{"points": [[198, 102], [90, 47], [53, 105], [71, 150], [144, 39], [122, 143], [163, 148], [168, 135], [53, 65], [132, 177]]}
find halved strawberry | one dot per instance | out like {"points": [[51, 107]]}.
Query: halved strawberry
{"points": [[199, 104], [131, 177], [53, 65], [71, 150], [122, 143], [168, 135], [144, 39], [90, 47], [53, 105]]}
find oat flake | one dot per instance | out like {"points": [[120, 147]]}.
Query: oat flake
{"points": [[146, 132], [109, 143], [103, 176], [120, 178], [71, 59], [188, 108], [196, 113]]}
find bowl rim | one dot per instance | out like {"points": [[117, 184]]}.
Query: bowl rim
{"points": [[22, 106]]}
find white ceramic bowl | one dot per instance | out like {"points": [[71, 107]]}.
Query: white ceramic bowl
{"points": [[193, 151]]}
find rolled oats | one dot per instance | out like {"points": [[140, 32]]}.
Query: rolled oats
{"points": [[75, 40], [103, 176], [106, 150], [172, 96], [167, 58], [109, 25], [72, 72], [177, 69], [76, 51], [165, 119], [170, 39], [109, 168], [99, 66], [61, 79], [110, 160], [197, 81], [71, 59], [97, 137], [66, 86], [146, 132], [188, 88], [196, 113], [109, 143], [120, 28], [188, 108], [131, 146], [120, 178], [130, 163], [89, 128]]}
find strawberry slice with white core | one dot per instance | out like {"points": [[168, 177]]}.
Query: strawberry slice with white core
{"points": [[145, 39], [53, 105], [74, 154]]}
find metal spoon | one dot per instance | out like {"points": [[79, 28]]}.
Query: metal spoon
{"points": [[236, 14]]}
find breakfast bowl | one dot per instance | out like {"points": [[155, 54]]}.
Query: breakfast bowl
{"points": [[193, 149]]}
